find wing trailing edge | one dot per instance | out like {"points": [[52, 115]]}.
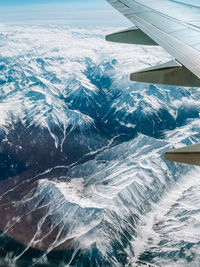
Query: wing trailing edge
{"points": [[187, 155], [170, 73]]}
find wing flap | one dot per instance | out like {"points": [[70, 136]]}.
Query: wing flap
{"points": [[171, 73], [187, 155], [130, 36]]}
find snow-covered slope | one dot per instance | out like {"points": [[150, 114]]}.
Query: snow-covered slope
{"points": [[82, 172]]}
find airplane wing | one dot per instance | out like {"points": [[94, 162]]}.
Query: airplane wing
{"points": [[172, 24], [175, 26]]}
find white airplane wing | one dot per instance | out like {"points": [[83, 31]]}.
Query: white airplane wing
{"points": [[175, 26], [172, 24]]}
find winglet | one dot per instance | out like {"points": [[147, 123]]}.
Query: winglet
{"points": [[187, 155], [171, 73], [130, 36]]}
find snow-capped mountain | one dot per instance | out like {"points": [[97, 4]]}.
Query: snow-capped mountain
{"points": [[83, 178]]}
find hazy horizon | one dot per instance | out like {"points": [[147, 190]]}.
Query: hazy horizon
{"points": [[76, 12]]}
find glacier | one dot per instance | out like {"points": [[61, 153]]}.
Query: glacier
{"points": [[83, 177]]}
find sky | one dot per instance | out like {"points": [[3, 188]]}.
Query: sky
{"points": [[83, 12], [77, 12]]}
